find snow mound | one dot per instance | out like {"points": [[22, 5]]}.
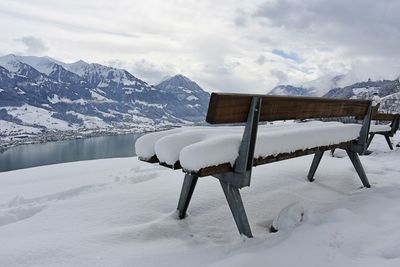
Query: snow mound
{"points": [[144, 146], [290, 217], [198, 148]]}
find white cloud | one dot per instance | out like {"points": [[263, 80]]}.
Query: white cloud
{"points": [[151, 72], [33, 45], [225, 45]]}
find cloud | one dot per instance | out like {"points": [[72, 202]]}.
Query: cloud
{"points": [[281, 76], [240, 18], [151, 72], [362, 27], [291, 55], [228, 45], [33, 45], [261, 60]]}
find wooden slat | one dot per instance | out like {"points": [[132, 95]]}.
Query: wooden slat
{"points": [[385, 117], [153, 159], [176, 166], [226, 167], [233, 108]]}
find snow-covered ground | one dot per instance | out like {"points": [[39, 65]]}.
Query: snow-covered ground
{"points": [[31, 115], [121, 212], [10, 128]]}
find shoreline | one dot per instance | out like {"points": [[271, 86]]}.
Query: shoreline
{"points": [[56, 136]]}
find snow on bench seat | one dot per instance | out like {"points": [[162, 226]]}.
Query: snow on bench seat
{"points": [[145, 145], [380, 128], [200, 147]]}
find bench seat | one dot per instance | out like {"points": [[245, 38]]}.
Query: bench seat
{"points": [[195, 148], [387, 130], [380, 128]]}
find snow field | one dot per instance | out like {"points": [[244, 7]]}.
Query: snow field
{"points": [[31, 115], [90, 122], [121, 212], [10, 128]]}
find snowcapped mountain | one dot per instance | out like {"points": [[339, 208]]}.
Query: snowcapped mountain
{"points": [[389, 91], [47, 94], [317, 87], [365, 89], [194, 99]]}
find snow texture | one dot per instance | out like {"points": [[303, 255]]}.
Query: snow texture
{"points": [[10, 128], [31, 115], [289, 218], [121, 212], [379, 128], [90, 122], [42, 64], [198, 148]]}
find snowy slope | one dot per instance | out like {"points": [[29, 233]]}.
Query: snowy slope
{"points": [[33, 116], [192, 98], [42, 64], [391, 103], [10, 131], [121, 212]]}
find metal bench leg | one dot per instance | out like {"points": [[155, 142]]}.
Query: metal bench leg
{"points": [[359, 168], [234, 199], [388, 141], [189, 183], [314, 165], [371, 136]]}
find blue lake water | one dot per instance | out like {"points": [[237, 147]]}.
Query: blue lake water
{"points": [[26, 156]]}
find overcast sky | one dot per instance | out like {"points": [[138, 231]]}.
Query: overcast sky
{"points": [[224, 45]]}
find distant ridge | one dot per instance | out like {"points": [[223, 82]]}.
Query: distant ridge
{"points": [[347, 86], [317, 87]]}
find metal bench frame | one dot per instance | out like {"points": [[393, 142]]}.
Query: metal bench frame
{"points": [[394, 126]]}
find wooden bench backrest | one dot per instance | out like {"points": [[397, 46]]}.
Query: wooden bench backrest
{"points": [[234, 108], [385, 117]]}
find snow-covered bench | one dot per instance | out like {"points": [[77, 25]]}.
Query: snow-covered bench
{"points": [[229, 153], [387, 130]]}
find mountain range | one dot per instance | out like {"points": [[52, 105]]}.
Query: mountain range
{"points": [[317, 87], [45, 94], [347, 86]]}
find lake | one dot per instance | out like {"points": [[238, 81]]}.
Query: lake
{"points": [[25, 156]]}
